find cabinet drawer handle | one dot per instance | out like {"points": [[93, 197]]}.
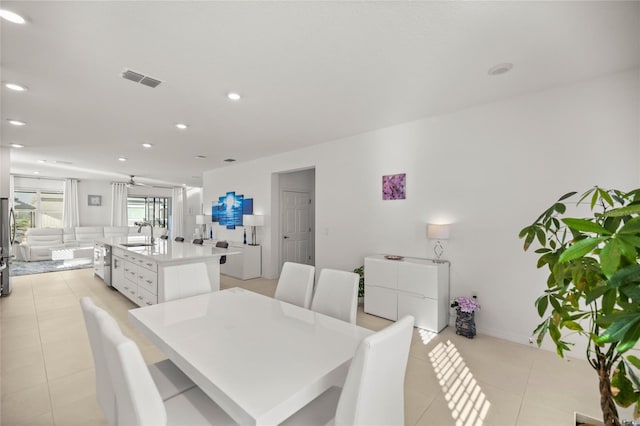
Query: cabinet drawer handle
{"points": [[150, 282], [149, 264]]}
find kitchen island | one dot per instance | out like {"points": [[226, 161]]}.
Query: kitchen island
{"points": [[142, 271]]}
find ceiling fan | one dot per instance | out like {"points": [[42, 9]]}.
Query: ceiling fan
{"points": [[132, 182]]}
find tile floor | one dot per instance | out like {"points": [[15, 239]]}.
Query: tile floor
{"points": [[47, 375]]}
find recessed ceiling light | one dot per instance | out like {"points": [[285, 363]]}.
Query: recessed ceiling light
{"points": [[16, 145], [147, 145], [500, 68], [11, 16], [16, 122], [181, 126], [16, 87], [201, 157], [42, 161], [233, 96], [122, 159], [36, 173], [229, 160]]}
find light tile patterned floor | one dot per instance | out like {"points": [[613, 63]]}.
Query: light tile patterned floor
{"points": [[47, 376]]}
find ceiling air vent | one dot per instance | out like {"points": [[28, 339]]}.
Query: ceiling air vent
{"points": [[140, 78]]}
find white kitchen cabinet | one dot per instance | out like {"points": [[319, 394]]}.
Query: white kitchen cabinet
{"points": [[246, 265], [412, 286]]}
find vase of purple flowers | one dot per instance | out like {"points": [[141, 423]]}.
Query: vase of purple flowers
{"points": [[465, 319]]}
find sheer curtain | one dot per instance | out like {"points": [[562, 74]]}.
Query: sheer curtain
{"points": [[178, 202], [119, 216], [70, 210]]}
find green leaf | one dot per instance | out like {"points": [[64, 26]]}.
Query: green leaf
{"points": [[584, 225], [594, 199], [626, 395], [609, 301], [541, 304], [560, 208], [610, 257], [634, 360], [567, 195], [630, 338], [605, 196], [625, 276], [624, 211], [572, 325], [542, 238], [581, 248], [618, 329], [631, 227], [596, 293], [586, 194]]}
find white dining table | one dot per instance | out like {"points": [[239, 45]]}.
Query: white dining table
{"points": [[258, 358]]}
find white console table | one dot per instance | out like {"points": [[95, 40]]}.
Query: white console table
{"points": [[412, 286], [244, 266]]}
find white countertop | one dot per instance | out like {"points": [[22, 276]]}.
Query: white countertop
{"points": [[166, 251], [259, 358]]}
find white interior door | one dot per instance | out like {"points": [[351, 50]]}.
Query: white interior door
{"points": [[296, 228]]}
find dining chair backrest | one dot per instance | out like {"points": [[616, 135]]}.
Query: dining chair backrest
{"points": [[198, 241], [190, 279], [104, 389], [137, 397], [373, 391], [222, 244], [295, 284], [164, 237], [179, 239], [336, 294]]}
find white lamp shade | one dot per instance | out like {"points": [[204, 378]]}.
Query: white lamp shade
{"points": [[438, 232], [253, 220], [203, 219]]}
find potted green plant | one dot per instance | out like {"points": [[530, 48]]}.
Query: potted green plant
{"points": [[593, 287], [360, 271]]}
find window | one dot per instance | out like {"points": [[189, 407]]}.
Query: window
{"points": [[153, 209], [37, 209]]}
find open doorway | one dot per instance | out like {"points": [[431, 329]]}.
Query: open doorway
{"points": [[295, 233]]}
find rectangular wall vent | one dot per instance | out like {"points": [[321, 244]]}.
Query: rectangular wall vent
{"points": [[140, 78]]}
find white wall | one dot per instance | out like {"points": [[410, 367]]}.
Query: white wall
{"points": [[94, 215], [489, 170]]}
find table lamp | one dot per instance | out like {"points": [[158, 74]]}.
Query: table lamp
{"points": [[438, 233], [203, 219], [253, 220]]}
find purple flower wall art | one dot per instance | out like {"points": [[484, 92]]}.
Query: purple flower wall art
{"points": [[393, 187]]}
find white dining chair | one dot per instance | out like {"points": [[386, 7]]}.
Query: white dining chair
{"points": [[295, 284], [373, 392], [137, 397], [336, 294], [169, 380], [191, 279]]}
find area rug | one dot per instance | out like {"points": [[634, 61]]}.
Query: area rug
{"points": [[18, 267]]}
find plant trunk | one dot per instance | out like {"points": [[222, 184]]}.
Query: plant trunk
{"points": [[607, 404]]}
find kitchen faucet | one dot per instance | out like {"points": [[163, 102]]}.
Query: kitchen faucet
{"points": [[145, 222]]}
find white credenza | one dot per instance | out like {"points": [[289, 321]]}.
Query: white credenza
{"points": [[412, 286], [244, 266]]}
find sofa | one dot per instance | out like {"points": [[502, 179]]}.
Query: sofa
{"points": [[38, 242]]}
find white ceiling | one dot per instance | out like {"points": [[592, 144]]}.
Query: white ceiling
{"points": [[309, 72]]}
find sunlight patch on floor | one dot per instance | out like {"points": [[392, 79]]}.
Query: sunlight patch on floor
{"points": [[426, 335], [465, 399]]}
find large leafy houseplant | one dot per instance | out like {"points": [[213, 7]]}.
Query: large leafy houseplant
{"points": [[593, 288]]}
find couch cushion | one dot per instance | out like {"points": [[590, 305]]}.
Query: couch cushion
{"points": [[88, 234], [44, 236], [69, 235]]}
